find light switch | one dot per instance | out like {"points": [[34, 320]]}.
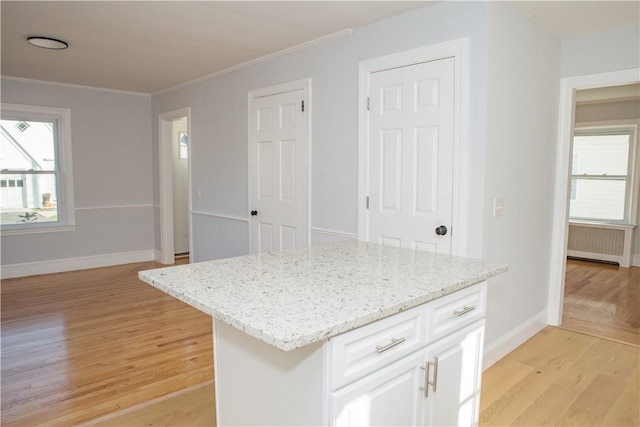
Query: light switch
{"points": [[498, 206]]}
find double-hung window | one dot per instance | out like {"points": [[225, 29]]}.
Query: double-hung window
{"points": [[602, 174], [36, 179]]}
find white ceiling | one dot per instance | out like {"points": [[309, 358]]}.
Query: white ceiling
{"points": [[150, 46]]}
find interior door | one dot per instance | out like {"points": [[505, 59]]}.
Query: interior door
{"points": [[278, 152], [410, 156]]}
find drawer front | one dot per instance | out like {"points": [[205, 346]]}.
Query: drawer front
{"points": [[455, 311], [361, 351]]}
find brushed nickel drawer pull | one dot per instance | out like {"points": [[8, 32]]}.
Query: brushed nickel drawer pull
{"points": [[464, 310], [427, 376], [394, 342]]}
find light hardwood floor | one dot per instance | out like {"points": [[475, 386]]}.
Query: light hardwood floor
{"points": [[80, 345], [563, 378], [99, 347], [602, 300]]}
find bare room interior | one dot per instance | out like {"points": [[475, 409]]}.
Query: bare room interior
{"points": [[320, 213]]}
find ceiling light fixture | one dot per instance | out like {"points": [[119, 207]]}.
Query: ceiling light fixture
{"points": [[47, 42]]}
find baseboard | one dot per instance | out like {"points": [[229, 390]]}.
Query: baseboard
{"points": [[70, 264], [510, 341]]}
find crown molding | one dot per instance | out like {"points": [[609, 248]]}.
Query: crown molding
{"points": [[265, 58], [74, 86]]}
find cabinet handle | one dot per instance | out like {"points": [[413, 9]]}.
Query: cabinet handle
{"points": [[435, 373], [427, 376], [464, 310], [394, 342]]}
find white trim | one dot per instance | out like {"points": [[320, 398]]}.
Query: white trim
{"points": [[458, 50], [75, 86], [636, 260], [71, 264], [305, 86], [167, 247], [64, 228], [64, 157], [37, 230], [513, 339], [559, 236], [328, 232], [95, 208], [221, 216], [265, 58]]}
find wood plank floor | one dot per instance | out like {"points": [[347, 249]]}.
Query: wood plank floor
{"points": [[99, 347], [80, 345], [602, 300], [563, 378]]}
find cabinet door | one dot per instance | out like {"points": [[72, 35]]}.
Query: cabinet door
{"points": [[388, 397], [454, 365]]}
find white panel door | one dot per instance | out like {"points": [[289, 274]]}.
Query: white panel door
{"points": [[410, 156], [278, 151]]}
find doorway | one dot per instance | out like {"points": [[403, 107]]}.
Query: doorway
{"points": [[412, 149], [180, 157], [600, 290], [175, 185], [558, 265]]}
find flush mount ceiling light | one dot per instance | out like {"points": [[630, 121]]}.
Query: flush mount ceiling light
{"points": [[47, 42]]}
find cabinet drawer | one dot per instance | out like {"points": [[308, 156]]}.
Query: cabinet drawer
{"points": [[361, 351], [454, 311]]}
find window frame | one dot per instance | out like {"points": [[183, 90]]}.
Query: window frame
{"points": [[63, 170], [633, 167]]}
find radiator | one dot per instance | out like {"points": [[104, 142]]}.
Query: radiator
{"points": [[602, 242]]}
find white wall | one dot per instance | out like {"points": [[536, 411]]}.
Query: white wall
{"points": [[512, 143], [601, 52], [219, 124], [111, 139], [522, 105]]}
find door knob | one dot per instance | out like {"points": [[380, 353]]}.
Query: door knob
{"points": [[441, 231], [254, 213]]}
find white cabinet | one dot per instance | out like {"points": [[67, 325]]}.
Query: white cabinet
{"points": [[437, 384], [455, 368], [374, 375], [385, 398]]}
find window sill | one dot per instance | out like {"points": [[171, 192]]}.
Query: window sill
{"points": [[37, 230], [601, 224]]}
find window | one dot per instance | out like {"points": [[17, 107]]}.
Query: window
{"points": [[602, 172], [36, 191]]}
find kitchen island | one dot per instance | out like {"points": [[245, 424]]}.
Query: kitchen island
{"points": [[323, 335]]}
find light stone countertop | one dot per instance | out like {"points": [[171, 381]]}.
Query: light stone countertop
{"points": [[294, 298]]}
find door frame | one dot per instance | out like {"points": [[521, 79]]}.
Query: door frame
{"points": [[305, 86], [457, 49], [165, 148], [560, 235]]}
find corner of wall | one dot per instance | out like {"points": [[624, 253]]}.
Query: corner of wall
{"points": [[505, 344]]}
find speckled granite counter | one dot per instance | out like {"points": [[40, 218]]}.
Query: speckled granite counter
{"points": [[294, 298]]}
